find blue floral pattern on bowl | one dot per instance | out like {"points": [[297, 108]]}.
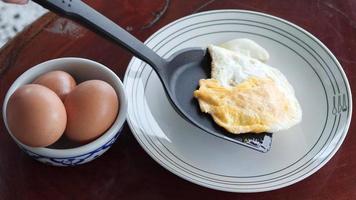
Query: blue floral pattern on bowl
{"points": [[75, 160]]}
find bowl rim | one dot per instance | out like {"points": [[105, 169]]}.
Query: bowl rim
{"points": [[83, 149]]}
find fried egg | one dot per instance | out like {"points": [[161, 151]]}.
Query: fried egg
{"points": [[247, 47], [246, 95]]}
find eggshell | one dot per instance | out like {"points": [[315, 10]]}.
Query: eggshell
{"points": [[91, 107], [59, 81], [36, 115]]}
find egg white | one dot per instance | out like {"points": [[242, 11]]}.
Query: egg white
{"points": [[238, 61]]}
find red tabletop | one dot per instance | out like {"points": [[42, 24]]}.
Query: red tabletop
{"points": [[126, 171]]}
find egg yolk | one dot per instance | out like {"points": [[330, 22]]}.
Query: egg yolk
{"points": [[249, 106]]}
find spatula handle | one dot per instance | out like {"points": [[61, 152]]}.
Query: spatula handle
{"points": [[84, 14]]}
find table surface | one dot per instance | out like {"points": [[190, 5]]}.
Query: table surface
{"points": [[126, 171]]}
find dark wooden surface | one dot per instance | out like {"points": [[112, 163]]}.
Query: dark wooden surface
{"points": [[126, 171]]}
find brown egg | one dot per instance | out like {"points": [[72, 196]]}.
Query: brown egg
{"points": [[91, 107], [59, 81], [36, 115]]}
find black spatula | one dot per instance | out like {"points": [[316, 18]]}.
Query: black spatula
{"points": [[179, 74]]}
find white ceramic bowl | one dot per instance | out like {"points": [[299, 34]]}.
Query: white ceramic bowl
{"points": [[81, 69]]}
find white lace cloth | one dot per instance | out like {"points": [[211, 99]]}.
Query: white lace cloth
{"points": [[13, 18]]}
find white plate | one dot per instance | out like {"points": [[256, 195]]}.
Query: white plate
{"points": [[319, 81]]}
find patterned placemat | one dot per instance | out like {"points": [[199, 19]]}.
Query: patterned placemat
{"points": [[13, 18]]}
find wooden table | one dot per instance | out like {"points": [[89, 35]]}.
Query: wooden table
{"points": [[126, 171]]}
